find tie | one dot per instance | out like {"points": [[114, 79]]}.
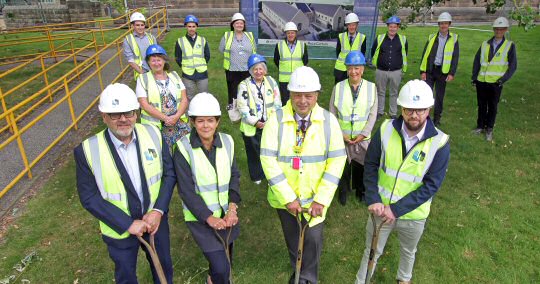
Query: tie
{"points": [[350, 39], [303, 125]]}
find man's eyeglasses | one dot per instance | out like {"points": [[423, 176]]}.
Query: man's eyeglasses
{"points": [[410, 111], [118, 115]]}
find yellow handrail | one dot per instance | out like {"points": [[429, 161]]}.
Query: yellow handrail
{"points": [[92, 65]]}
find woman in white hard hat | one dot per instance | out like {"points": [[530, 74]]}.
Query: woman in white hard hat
{"points": [[237, 45], [136, 43], [354, 103], [289, 54], [349, 40], [209, 185], [162, 96], [258, 98], [494, 64]]}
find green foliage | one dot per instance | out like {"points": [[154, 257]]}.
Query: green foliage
{"points": [[524, 15], [116, 4]]}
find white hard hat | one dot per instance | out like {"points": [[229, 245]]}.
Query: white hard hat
{"points": [[237, 16], [118, 98], [415, 94], [501, 22], [137, 17], [304, 79], [444, 17], [351, 18], [204, 104], [290, 26]]}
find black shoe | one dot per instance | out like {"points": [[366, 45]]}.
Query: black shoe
{"points": [[342, 196]]}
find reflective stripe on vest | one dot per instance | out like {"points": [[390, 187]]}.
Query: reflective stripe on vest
{"points": [[353, 116], [154, 97], [108, 179], [135, 47], [228, 42], [491, 71], [346, 48], [246, 128], [447, 54], [402, 40], [193, 56], [212, 184], [288, 62], [400, 176]]}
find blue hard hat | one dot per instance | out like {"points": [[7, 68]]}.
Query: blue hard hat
{"points": [[155, 49], [191, 19], [254, 59], [355, 58], [393, 20]]}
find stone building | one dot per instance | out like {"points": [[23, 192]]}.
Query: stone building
{"points": [[279, 13], [329, 16]]}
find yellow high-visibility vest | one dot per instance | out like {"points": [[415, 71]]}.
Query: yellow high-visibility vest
{"points": [[353, 116], [447, 54], [288, 62], [193, 56], [346, 48], [228, 42], [491, 71], [139, 57], [402, 40]]}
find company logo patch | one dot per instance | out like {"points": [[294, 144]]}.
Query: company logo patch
{"points": [[115, 102], [416, 98]]}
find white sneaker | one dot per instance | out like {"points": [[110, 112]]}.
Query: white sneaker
{"points": [[258, 181]]}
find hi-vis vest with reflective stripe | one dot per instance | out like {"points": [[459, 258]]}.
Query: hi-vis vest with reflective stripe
{"points": [[447, 54], [228, 42], [323, 157], [269, 85], [288, 62], [491, 71], [402, 40], [135, 47], [212, 184], [108, 179], [353, 116], [193, 57], [399, 176], [346, 48], [154, 97]]}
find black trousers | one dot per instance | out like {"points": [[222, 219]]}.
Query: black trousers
{"points": [[125, 259], [284, 92], [233, 79], [488, 96], [253, 153], [313, 243], [352, 174], [438, 80], [340, 76], [219, 265]]}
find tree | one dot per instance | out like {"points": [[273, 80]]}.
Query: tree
{"points": [[521, 12]]}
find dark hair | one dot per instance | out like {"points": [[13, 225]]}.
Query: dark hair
{"points": [[232, 23]]}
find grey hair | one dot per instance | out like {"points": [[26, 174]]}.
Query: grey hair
{"points": [[252, 67]]}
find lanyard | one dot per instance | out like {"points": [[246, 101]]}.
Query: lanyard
{"points": [[300, 136], [261, 95], [355, 99]]}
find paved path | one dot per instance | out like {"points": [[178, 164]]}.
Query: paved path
{"points": [[37, 138]]}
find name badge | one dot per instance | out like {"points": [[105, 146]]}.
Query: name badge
{"points": [[296, 163], [241, 52]]}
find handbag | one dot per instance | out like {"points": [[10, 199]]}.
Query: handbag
{"points": [[234, 113]]}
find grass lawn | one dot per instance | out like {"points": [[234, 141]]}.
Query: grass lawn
{"points": [[482, 228]]}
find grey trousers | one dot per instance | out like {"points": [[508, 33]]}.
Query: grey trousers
{"points": [[195, 87], [392, 79], [313, 242], [409, 233]]}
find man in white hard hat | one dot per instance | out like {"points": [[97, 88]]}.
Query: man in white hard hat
{"points": [[494, 64], [125, 178], [288, 57], [303, 155], [439, 62], [349, 40], [405, 166], [136, 43]]}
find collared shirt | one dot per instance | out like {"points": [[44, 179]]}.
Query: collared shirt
{"points": [[440, 49], [352, 37], [128, 155], [299, 119], [411, 141], [390, 56], [241, 50], [495, 43], [291, 45], [143, 42]]}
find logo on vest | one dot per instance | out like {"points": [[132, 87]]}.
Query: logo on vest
{"points": [[419, 156], [150, 154], [198, 45]]}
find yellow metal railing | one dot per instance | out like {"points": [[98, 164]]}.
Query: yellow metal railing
{"points": [[65, 84]]}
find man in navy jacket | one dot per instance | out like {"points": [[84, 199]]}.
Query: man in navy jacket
{"points": [[117, 183]]}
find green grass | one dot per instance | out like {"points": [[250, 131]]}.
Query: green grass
{"points": [[483, 227]]}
